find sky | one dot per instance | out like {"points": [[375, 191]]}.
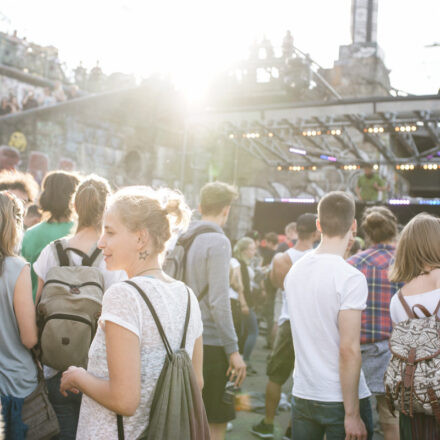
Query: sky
{"points": [[194, 40]]}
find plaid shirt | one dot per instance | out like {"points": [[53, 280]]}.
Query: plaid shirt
{"points": [[374, 263]]}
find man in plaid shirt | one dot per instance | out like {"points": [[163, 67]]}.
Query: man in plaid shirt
{"points": [[380, 227]]}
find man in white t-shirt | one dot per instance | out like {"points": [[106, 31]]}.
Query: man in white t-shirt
{"points": [[281, 361], [325, 298]]}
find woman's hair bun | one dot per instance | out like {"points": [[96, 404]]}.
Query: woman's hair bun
{"points": [[379, 224]]}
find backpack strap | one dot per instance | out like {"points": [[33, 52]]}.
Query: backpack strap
{"points": [[120, 422], [87, 260], [61, 252], [185, 327], [423, 309], [155, 317], [406, 306]]}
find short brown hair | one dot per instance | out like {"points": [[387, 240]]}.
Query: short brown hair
{"points": [[271, 237], [336, 213], [90, 200], [379, 224], [10, 180], [418, 248], [58, 189], [215, 196]]}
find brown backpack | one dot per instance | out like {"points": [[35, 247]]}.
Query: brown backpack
{"points": [[412, 379]]}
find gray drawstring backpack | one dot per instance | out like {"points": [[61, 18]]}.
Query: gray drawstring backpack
{"points": [[177, 410]]}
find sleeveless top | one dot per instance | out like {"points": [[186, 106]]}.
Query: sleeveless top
{"points": [[18, 373]]}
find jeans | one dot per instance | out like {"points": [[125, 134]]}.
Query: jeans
{"points": [[250, 325], [312, 419], [66, 408]]}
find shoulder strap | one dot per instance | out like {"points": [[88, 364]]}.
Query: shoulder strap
{"points": [[120, 422], [87, 260], [405, 305], [437, 309], [185, 327], [155, 317], [61, 252]]}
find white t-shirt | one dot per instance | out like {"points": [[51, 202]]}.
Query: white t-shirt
{"points": [[48, 259], [294, 256], [428, 299], [233, 265], [317, 287], [124, 306]]}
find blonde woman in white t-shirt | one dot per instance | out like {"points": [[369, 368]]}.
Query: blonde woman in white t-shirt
{"points": [[417, 264], [127, 354], [89, 202]]}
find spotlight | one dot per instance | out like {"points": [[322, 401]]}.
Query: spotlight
{"points": [[279, 168], [297, 151], [270, 135], [375, 166], [231, 136]]}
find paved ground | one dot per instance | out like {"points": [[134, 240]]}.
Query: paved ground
{"points": [[245, 419]]}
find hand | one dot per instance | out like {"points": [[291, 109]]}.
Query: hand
{"points": [[354, 428], [68, 380], [244, 309], [237, 368]]}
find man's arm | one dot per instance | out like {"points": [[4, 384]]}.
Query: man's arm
{"points": [[350, 362], [281, 264]]}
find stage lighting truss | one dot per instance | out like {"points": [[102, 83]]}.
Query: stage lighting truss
{"points": [[412, 167], [351, 167]]}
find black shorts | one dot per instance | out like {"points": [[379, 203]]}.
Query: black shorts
{"points": [[282, 358], [215, 365]]}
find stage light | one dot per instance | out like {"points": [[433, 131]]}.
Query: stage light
{"points": [[329, 158], [297, 200], [291, 168], [297, 151], [231, 136], [381, 129], [313, 168], [270, 135], [279, 168], [397, 167], [399, 202], [319, 132], [375, 166]]}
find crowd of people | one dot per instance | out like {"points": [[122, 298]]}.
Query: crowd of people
{"points": [[326, 300], [32, 99]]}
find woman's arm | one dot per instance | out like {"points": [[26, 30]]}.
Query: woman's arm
{"points": [[197, 361], [121, 392], [24, 308]]}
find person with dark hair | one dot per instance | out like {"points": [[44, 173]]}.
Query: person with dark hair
{"points": [[89, 201], [23, 185], [325, 298], [56, 204], [380, 227], [18, 329]]}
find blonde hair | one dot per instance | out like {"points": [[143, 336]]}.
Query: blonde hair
{"points": [[160, 211], [11, 224], [241, 246], [418, 248]]}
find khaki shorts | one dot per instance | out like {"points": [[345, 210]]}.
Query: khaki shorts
{"points": [[385, 416], [282, 358]]}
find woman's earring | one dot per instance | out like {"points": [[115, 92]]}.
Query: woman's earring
{"points": [[143, 255]]}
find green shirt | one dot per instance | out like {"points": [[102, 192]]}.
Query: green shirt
{"points": [[366, 185], [37, 238]]}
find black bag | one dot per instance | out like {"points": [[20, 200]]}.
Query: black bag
{"points": [[177, 410], [175, 260]]}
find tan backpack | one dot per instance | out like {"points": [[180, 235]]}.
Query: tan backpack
{"points": [[69, 308], [412, 379]]}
